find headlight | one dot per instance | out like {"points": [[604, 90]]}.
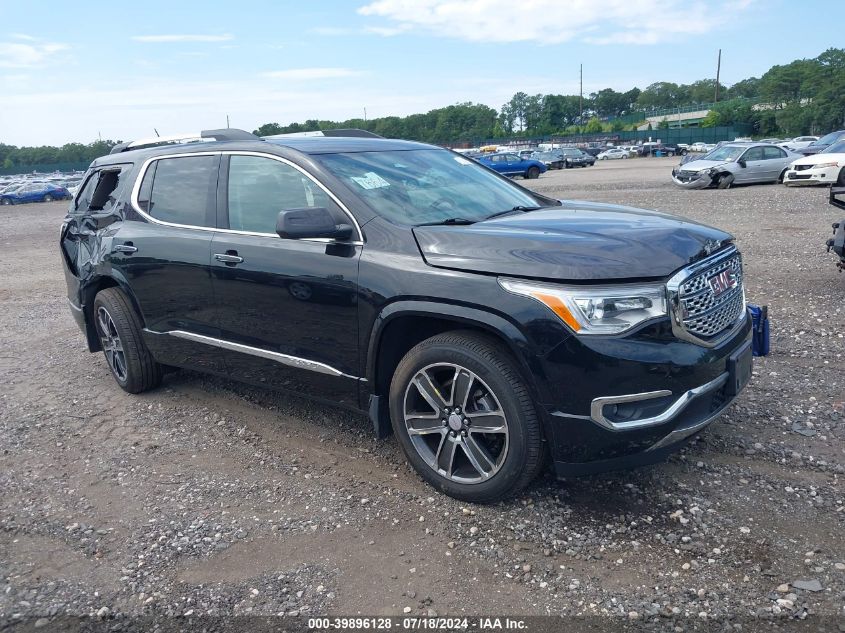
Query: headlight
{"points": [[820, 165], [596, 309]]}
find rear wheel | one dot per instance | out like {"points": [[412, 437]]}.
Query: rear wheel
{"points": [[780, 178], [119, 329], [533, 172], [725, 181], [464, 417], [48, 198]]}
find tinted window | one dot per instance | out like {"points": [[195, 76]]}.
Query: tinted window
{"points": [[147, 188], [261, 187], [183, 190], [513, 159], [772, 152]]}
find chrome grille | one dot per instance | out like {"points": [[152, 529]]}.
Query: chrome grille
{"points": [[704, 315]]}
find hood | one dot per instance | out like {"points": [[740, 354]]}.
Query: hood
{"points": [[815, 159], [698, 165], [581, 241]]}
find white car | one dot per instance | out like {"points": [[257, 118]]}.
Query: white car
{"points": [[798, 142], [613, 153], [824, 168], [698, 147]]}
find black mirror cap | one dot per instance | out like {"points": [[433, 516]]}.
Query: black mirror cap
{"points": [[741, 162], [310, 222]]}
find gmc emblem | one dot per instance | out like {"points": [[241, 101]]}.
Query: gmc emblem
{"points": [[722, 282]]}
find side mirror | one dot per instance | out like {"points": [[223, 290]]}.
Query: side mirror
{"points": [[310, 222], [741, 163]]}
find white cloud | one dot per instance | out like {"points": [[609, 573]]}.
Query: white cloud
{"points": [[306, 74], [225, 37], [556, 21], [18, 55]]}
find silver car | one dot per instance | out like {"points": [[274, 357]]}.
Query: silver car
{"points": [[735, 164]]}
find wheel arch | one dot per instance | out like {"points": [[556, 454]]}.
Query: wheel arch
{"points": [[403, 324], [89, 293]]}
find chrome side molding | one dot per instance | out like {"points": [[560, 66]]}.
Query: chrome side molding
{"points": [[284, 359]]}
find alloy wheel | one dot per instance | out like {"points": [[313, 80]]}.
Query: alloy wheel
{"points": [[112, 345], [456, 423]]}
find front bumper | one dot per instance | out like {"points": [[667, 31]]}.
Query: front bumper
{"points": [[820, 176], [702, 181], [632, 402]]}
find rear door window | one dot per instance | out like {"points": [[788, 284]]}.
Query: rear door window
{"points": [[100, 192], [183, 190], [770, 153]]}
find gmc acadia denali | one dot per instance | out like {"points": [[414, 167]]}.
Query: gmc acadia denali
{"points": [[488, 326]]}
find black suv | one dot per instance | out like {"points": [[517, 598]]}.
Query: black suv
{"points": [[489, 326]]}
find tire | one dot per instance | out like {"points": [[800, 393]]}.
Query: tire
{"points": [[533, 173], [119, 329], [725, 181], [840, 182], [7, 202], [624, 156], [507, 458], [48, 198], [780, 178], [568, 164]]}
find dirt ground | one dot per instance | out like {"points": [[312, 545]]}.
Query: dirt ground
{"points": [[208, 497]]}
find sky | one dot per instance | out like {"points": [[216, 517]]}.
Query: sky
{"points": [[78, 71]]}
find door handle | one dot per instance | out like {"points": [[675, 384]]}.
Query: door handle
{"points": [[229, 257], [124, 248]]}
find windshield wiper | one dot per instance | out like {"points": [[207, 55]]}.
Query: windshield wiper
{"points": [[519, 207], [448, 222]]}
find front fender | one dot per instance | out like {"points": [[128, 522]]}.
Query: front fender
{"points": [[498, 326]]}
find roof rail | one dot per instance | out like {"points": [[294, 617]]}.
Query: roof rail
{"points": [[347, 132], [225, 134]]}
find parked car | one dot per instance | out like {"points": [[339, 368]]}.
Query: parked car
{"points": [[822, 144], [698, 147], [798, 142], [487, 325], [34, 192], [824, 168], [661, 149], [734, 164], [512, 165], [613, 153], [574, 157], [837, 242], [552, 160]]}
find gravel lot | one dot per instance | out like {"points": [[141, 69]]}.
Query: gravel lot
{"points": [[208, 497]]}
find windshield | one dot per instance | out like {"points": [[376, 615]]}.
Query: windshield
{"points": [[424, 186], [725, 153], [836, 148], [827, 139]]}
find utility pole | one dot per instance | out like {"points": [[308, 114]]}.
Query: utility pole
{"points": [[365, 114], [718, 70], [581, 96], [227, 120]]}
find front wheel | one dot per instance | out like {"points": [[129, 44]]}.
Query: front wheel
{"points": [[7, 201], [532, 173], [119, 329], [840, 182], [464, 417], [48, 198], [725, 181]]}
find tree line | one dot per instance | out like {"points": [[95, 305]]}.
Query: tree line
{"points": [[12, 156], [803, 97]]}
